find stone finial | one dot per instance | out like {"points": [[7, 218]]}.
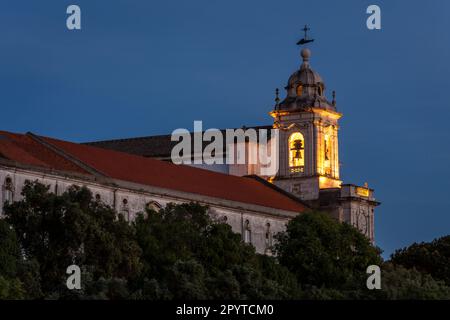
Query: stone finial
{"points": [[334, 98], [306, 53]]}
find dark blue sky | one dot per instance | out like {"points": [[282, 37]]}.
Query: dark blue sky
{"points": [[148, 67]]}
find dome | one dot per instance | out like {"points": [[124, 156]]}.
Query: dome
{"points": [[305, 88], [305, 76]]}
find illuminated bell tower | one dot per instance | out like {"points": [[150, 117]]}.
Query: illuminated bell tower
{"points": [[308, 151], [308, 123]]}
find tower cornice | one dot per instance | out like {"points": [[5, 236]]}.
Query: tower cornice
{"points": [[327, 113], [322, 112]]}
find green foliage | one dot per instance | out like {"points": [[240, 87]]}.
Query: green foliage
{"points": [[93, 289], [11, 289], [9, 250], [399, 283], [195, 257], [58, 231], [323, 253], [29, 274], [181, 252], [10, 286], [432, 258]]}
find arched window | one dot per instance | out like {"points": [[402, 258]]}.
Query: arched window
{"points": [[98, 197], [320, 90], [125, 210], [153, 206], [268, 236], [296, 152], [299, 90], [247, 232], [327, 154], [8, 191]]}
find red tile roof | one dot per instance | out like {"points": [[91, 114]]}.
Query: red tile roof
{"points": [[23, 149], [122, 166]]}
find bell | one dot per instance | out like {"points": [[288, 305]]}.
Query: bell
{"points": [[297, 147]]}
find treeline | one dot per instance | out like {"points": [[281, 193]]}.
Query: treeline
{"points": [[180, 252]]}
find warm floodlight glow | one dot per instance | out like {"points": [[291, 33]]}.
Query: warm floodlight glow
{"points": [[364, 192], [296, 152]]}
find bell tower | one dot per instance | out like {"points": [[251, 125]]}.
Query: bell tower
{"points": [[308, 123], [309, 150]]}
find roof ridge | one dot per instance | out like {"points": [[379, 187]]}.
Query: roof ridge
{"points": [[66, 155], [278, 189], [168, 135], [126, 139]]}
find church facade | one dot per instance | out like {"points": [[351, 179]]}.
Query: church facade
{"points": [[308, 151], [132, 175], [131, 184]]}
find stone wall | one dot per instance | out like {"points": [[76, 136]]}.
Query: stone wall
{"points": [[262, 223]]}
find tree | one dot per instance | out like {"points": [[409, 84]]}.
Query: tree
{"points": [[10, 286], [432, 258], [188, 255], [399, 283], [9, 250], [325, 254], [58, 231], [181, 252]]}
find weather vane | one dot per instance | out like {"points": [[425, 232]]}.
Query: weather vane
{"points": [[305, 40]]}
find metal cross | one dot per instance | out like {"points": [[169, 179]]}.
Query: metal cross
{"points": [[306, 29], [305, 40]]}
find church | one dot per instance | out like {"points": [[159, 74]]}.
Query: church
{"points": [[133, 174]]}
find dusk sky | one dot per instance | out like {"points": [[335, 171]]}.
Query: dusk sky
{"points": [[142, 68]]}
